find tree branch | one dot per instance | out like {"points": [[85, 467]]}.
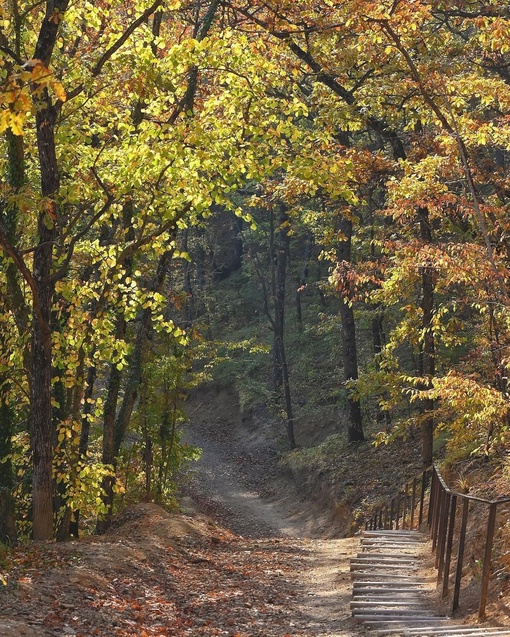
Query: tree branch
{"points": [[326, 78], [62, 271], [98, 67], [463, 153], [25, 272]]}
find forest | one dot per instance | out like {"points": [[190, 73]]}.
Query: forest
{"points": [[308, 201]]}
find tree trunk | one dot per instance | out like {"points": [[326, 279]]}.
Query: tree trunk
{"points": [[279, 289], [383, 417], [47, 226], [350, 364], [15, 302], [114, 382], [139, 355], [41, 408], [301, 282], [232, 261], [189, 310], [349, 348], [7, 513], [109, 413], [111, 447], [74, 524], [427, 353]]}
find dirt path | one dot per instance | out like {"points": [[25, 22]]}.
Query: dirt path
{"points": [[250, 567], [229, 480], [232, 482]]}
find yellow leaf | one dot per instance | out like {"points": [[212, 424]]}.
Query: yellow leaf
{"points": [[59, 91], [39, 71], [17, 120], [5, 118]]}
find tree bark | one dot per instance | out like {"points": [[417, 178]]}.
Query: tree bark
{"points": [[135, 376], [15, 302], [189, 310], [112, 396], [115, 435], [349, 348], [427, 353], [7, 512], [232, 248], [383, 416], [74, 525], [301, 282], [41, 409], [47, 225], [279, 289]]}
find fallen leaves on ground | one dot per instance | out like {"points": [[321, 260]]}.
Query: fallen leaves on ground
{"points": [[157, 575]]}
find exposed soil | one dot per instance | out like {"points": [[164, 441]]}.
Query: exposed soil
{"points": [[237, 479], [246, 557], [161, 574], [240, 560]]}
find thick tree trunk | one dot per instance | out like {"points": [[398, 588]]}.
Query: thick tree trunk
{"points": [[41, 408], [40, 404], [350, 364], [7, 515], [14, 302]]}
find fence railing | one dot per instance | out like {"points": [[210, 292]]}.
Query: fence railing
{"points": [[429, 496]]}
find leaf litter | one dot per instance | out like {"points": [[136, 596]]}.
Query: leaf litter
{"points": [[159, 574]]}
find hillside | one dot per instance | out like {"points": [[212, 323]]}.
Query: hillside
{"points": [[246, 557]]}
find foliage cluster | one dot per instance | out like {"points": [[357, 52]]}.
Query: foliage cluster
{"points": [[353, 153]]}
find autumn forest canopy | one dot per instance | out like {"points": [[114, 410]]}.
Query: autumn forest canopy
{"points": [[308, 200]]}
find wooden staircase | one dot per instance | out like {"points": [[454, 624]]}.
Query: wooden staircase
{"points": [[390, 593]]}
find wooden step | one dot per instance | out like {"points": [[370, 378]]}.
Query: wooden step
{"points": [[446, 632], [458, 631], [411, 612], [388, 593], [406, 539], [399, 628], [409, 622], [397, 577], [388, 590], [383, 620], [394, 541], [402, 546], [394, 557], [375, 582], [404, 534], [380, 565], [363, 603]]}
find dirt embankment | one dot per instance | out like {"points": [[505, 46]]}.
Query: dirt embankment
{"points": [[232, 563], [239, 477]]}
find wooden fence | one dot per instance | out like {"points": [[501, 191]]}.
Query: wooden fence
{"points": [[447, 514]]}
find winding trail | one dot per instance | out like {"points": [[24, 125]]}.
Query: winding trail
{"points": [[229, 482], [232, 482]]}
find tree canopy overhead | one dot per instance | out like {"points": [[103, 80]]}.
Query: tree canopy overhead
{"points": [[377, 130]]}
